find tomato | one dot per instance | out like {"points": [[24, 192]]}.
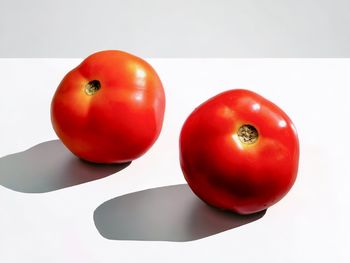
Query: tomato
{"points": [[110, 108], [239, 152]]}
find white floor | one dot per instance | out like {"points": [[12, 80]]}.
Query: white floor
{"points": [[61, 221]]}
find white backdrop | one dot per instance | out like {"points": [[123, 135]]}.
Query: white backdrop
{"points": [[181, 28], [56, 224]]}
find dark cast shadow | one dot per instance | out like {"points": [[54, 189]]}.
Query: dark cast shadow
{"points": [[171, 213], [49, 166]]}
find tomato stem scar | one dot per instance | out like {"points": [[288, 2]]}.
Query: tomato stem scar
{"points": [[248, 134], [92, 87]]}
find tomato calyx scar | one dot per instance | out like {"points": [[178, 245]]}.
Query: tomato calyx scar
{"points": [[247, 134], [92, 87]]}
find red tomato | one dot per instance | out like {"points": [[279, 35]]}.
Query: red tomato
{"points": [[239, 151], [110, 108]]}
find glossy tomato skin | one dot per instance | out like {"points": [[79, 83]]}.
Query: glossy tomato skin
{"points": [[226, 172], [122, 118]]}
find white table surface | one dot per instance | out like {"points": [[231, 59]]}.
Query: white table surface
{"points": [[60, 222]]}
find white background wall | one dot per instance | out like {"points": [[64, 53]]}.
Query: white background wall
{"points": [[181, 28]]}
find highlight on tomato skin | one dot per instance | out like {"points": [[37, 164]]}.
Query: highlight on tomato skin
{"points": [[110, 108], [239, 152]]}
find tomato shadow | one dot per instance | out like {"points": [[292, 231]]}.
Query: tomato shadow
{"points": [[171, 213], [49, 166]]}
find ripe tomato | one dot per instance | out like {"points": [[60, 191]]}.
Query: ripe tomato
{"points": [[239, 151], [110, 108]]}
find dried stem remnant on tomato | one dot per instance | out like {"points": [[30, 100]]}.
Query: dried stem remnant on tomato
{"points": [[92, 87], [247, 134]]}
